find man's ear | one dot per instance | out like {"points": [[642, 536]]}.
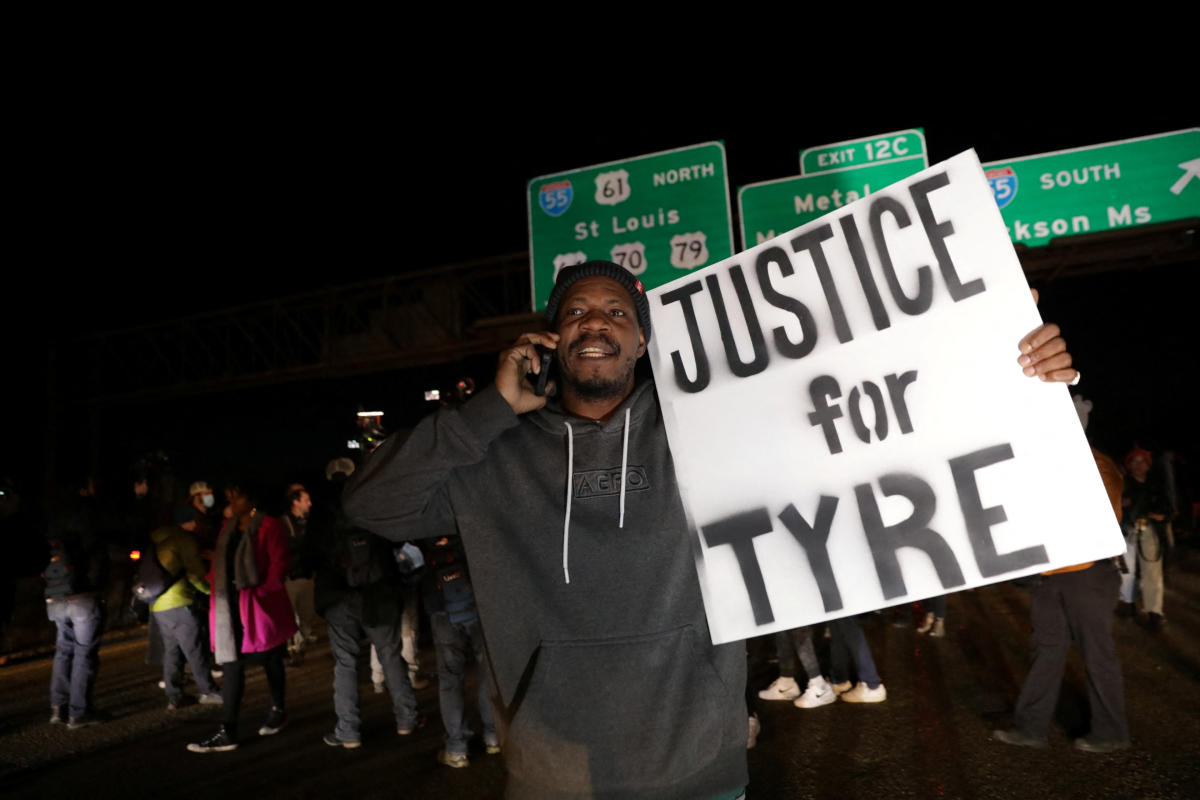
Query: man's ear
{"points": [[641, 343]]}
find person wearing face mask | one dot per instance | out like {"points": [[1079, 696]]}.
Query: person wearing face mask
{"points": [[208, 517]]}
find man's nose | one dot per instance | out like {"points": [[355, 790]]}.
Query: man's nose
{"points": [[594, 319]]}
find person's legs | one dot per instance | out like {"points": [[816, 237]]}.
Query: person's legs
{"points": [[855, 643], [86, 624], [232, 686], [188, 637], [1150, 570], [388, 644], [1131, 564], [786, 651], [169, 630], [64, 651], [803, 643], [344, 632], [1051, 641], [474, 633], [272, 662], [1089, 605], [449, 646]]}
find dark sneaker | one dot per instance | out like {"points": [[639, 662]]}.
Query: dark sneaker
{"points": [[58, 716], [75, 723], [332, 740], [277, 718], [1089, 745], [456, 760], [1018, 738], [219, 742]]}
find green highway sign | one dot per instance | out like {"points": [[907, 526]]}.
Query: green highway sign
{"points": [[659, 215], [770, 208], [896, 146], [1098, 188]]}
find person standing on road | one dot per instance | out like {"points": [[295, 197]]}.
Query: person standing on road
{"points": [[1075, 604], [300, 572], [359, 593], [458, 641], [1145, 509], [174, 609], [250, 617], [76, 578]]}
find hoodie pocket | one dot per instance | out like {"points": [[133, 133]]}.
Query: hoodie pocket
{"points": [[635, 712]]}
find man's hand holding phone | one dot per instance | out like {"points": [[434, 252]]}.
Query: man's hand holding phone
{"points": [[521, 361]]}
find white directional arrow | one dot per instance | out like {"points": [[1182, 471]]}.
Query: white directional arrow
{"points": [[1191, 169]]}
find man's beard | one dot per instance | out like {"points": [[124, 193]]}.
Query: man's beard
{"points": [[597, 387]]}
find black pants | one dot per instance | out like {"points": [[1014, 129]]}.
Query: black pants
{"points": [[234, 683], [1066, 607]]}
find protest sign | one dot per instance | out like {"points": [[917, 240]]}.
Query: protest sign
{"points": [[849, 424]]}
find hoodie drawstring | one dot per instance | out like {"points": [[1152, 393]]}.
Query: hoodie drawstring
{"points": [[570, 487], [624, 466]]}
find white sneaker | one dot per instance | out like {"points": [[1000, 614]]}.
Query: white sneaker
{"points": [[843, 687], [818, 693], [862, 694], [939, 628], [781, 689]]}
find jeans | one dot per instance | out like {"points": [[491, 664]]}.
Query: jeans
{"points": [[346, 631], [180, 631], [847, 641], [455, 646], [796, 642], [80, 620]]}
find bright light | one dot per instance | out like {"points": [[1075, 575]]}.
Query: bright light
{"points": [[134, 555], [433, 394], [370, 413], [353, 444]]}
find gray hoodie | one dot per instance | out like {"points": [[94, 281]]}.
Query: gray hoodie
{"points": [[607, 676]]}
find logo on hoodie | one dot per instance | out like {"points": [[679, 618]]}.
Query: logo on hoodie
{"points": [[603, 482]]}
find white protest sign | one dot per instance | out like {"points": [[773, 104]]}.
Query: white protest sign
{"points": [[849, 424]]}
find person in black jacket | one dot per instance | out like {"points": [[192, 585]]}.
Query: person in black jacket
{"points": [[75, 578], [359, 594]]}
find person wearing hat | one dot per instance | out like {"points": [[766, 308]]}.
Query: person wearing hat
{"points": [[207, 521], [175, 611], [607, 681]]}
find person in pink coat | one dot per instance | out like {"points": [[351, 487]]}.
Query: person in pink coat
{"points": [[250, 616]]}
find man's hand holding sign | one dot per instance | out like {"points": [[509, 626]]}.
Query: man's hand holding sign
{"points": [[847, 426]]}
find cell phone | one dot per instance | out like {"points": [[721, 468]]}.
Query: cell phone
{"points": [[540, 380]]}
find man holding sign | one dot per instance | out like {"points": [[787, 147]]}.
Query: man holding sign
{"points": [[608, 679]]}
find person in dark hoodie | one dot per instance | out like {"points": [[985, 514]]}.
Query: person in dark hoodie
{"points": [[608, 681]]}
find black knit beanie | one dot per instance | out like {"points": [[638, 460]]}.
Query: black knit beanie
{"points": [[600, 269]]}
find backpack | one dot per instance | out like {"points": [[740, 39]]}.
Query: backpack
{"points": [[60, 575], [452, 580], [153, 580], [360, 558]]}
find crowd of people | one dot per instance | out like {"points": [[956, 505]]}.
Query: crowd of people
{"points": [[226, 586], [588, 603]]}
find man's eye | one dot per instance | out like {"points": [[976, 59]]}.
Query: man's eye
{"points": [[618, 312]]}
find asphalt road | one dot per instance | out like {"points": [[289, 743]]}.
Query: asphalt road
{"points": [[929, 740]]}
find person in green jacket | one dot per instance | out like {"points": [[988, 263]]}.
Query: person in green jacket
{"points": [[177, 621]]}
